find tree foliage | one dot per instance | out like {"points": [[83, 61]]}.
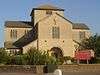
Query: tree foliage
{"points": [[93, 43]]}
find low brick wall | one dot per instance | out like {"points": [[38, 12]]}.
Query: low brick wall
{"points": [[39, 68], [18, 68], [80, 68]]}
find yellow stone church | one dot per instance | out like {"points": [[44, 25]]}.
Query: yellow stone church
{"points": [[47, 30]]}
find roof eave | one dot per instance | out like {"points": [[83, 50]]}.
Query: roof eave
{"points": [[15, 27], [82, 28], [64, 18]]}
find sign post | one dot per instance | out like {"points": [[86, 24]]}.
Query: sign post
{"points": [[87, 61], [83, 55], [78, 61]]}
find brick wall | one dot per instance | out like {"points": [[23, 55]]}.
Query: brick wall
{"points": [[18, 68], [39, 68], [80, 68]]}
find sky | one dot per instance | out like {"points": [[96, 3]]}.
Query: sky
{"points": [[82, 11]]}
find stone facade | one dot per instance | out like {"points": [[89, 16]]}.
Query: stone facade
{"points": [[47, 29]]}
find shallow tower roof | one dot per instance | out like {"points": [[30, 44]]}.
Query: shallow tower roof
{"points": [[47, 7]]}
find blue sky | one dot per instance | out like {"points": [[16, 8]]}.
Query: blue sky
{"points": [[85, 11]]}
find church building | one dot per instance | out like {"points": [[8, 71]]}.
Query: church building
{"points": [[48, 30]]}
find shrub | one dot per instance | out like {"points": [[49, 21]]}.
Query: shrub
{"points": [[32, 57], [3, 56], [37, 57]]}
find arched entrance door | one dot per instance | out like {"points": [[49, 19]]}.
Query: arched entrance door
{"points": [[56, 52]]}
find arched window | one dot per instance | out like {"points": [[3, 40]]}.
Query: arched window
{"points": [[55, 32], [56, 52], [13, 33]]}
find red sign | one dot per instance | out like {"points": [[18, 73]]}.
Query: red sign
{"points": [[83, 55]]}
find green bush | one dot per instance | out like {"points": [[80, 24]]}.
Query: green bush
{"points": [[17, 60], [32, 57], [37, 57], [51, 60], [3, 56], [95, 60]]}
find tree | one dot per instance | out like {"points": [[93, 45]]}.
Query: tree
{"points": [[93, 43]]}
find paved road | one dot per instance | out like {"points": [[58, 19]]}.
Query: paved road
{"points": [[82, 73], [66, 73]]}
